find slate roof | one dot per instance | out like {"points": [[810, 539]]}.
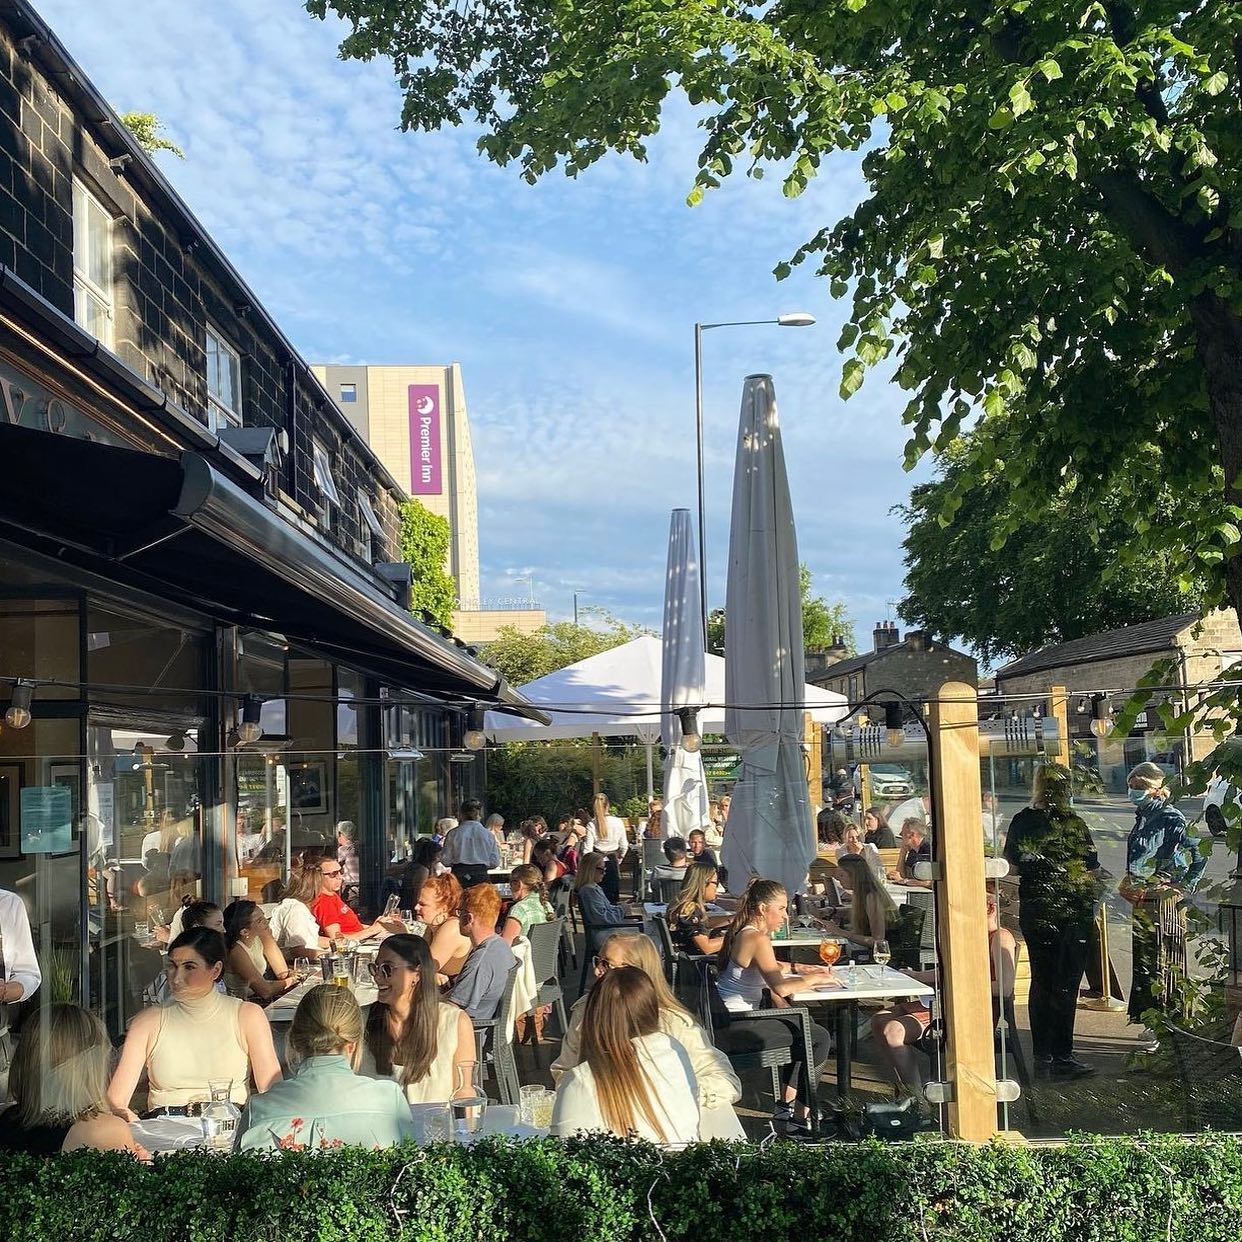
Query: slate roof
{"points": [[1147, 636]]}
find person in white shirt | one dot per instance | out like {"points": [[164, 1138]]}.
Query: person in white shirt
{"points": [[470, 850], [605, 834], [22, 976], [633, 1079]]}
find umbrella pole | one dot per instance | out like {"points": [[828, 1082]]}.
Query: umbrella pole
{"points": [[596, 759], [650, 773]]}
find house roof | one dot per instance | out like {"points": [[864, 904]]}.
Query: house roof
{"points": [[854, 663], [1112, 644]]}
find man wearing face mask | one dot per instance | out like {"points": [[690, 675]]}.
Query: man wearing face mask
{"points": [[1162, 861]]}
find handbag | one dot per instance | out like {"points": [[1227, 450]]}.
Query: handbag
{"points": [[892, 1121]]}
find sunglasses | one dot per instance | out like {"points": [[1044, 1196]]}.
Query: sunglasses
{"points": [[381, 970], [330, 874], [602, 964]]}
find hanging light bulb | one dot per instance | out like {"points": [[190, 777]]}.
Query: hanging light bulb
{"points": [[690, 739], [896, 733], [18, 715], [474, 737], [175, 740], [1101, 715], [249, 729]]}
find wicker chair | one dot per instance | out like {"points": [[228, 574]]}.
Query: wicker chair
{"points": [[562, 906], [545, 939], [503, 1061]]}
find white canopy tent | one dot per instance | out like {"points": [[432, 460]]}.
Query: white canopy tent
{"points": [[617, 694]]}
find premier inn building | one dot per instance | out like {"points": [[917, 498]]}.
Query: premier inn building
{"points": [[206, 656]]}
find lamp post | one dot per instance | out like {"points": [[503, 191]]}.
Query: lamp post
{"points": [[795, 319]]}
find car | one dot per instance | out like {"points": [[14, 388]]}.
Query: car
{"points": [[890, 781], [1219, 792]]}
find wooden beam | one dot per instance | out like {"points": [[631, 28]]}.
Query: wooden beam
{"points": [[966, 995], [596, 766], [1058, 709], [813, 737]]}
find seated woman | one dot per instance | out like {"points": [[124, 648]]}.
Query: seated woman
{"points": [[292, 924], [632, 1079], [870, 910], [532, 831], [200, 1036], [251, 949], [58, 1079], [718, 1086], [901, 1029], [544, 857], [530, 902], [572, 832], [692, 929], [753, 979], [412, 1036], [196, 914], [876, 830], [854, 847], [324, 1102], [597, 911], [439, 900]]}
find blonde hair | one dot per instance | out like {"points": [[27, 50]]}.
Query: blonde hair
{"points": [[693, 895], [327, 1019], [640, 951], [1151, 776], [59, 1072], [590, 869]]}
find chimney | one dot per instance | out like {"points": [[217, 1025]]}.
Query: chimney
{"points": [[885, 635], [918, 640]]}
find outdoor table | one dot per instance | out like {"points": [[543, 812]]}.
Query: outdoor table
{"points": [[497, 1119], [870, 983], [168, 1133]]}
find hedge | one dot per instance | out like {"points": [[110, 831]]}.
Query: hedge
{"points": [[602, 1190]]}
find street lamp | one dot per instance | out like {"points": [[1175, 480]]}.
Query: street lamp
{"points": [[794, 319]]}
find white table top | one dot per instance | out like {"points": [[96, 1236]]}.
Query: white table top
{"points": [[497, 1119], [870, 983], [283, 1007], [168, 1133], [656, 908]]}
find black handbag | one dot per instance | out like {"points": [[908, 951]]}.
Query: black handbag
{"points": [[894, 1121]]}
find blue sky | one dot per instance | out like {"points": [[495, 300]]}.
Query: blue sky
{"points": [[570, 305]]}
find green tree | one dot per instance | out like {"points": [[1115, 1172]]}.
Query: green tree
{"points": [[425, 540], [1074, 572], [525, 657], [146, 128], [821, 621], [1050, 241]]}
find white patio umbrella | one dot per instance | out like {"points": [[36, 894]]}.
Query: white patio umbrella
{"points": [[769, 830], [683, 681]]}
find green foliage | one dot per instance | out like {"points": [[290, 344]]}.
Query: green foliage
{"points": [[146, 128], [526, 657], [978, 569], [425, 540], [603, 1190], [821, 621], [1049, 247]]}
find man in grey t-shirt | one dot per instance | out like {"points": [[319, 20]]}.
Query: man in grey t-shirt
{"points": [[481, 984]]}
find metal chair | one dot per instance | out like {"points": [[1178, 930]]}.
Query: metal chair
{"points": [[545, 939], [503, 1061], [592, 934], [927, 938], [669, 890], [718, 1021], [653, 856], [562, 906]]}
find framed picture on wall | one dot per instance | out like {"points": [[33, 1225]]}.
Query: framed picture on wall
{"points": [[10, 810], [308, 788]]}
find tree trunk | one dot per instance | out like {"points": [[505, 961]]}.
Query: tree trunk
{"points": [[1219, 331]]}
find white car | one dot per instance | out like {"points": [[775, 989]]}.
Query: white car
{"points": [[1219, 791], [890, 781]]}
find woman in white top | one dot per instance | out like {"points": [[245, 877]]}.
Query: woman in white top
{"points": [[251, 949], [423, 1043], [605, 835], [852, 843], [633, 1079], [293, 926], [753, 979], [200, 1036], [718, 1086]]}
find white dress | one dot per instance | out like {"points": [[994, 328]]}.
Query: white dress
{"points": [[437, 1085], [671, 1088]]}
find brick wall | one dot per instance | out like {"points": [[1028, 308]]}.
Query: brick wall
{"points": [[166, 290]]}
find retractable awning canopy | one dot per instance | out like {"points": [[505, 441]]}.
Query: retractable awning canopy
{"points": [[180, 529]]}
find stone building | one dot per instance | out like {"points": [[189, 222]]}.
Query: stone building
{"points": [[915, 666]]}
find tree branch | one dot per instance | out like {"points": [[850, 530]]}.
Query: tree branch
{"points": [[1155, 231]]}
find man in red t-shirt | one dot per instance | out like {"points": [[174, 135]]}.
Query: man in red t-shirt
{"points": [[334, 917]]}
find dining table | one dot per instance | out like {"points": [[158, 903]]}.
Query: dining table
{"points": [[845, 987]]}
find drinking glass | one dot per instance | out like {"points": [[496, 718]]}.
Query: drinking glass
{"points": [[143, 932], [526, 1100], [157, 917], [881, 953], [829, 950], [469, 1103], [438, 1125], [541, 1109]]}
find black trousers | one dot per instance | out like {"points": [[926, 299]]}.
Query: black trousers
{"points": [[764, 1034], [1058, 955], [470, 873], [611, 882]]}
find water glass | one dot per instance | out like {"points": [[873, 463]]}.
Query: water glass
{"points": [[438, 1125], [541, 1110], [526, 1097], [142, 930], [407, 917]]}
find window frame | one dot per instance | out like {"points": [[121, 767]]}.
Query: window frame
{"points": [[83, 284], [321, 469], [352, 399], [220, 415]]}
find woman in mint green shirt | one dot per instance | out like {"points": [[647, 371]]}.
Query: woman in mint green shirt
{"points": [[530, 902], [323, 1102]]}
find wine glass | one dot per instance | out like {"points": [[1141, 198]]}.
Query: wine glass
{"points": [[829, 950], [881, 953]]}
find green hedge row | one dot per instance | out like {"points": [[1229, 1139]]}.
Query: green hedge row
{"points": [[1155, 1188]]}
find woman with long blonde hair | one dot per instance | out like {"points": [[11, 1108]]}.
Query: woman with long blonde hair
{"points": [[692, 929], [597, 910], [605, 835], [870, 910], [324, 1102], [717, 1084], [633, 1079]]}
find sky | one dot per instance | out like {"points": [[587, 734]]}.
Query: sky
{"points": [[570, 304]]}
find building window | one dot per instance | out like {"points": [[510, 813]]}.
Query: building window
{"points": [[323, 477], [224, 405], [349, 392], [92, 264], [372, 531]]}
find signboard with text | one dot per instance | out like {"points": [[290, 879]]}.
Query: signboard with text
{"points": [[426, 468]]}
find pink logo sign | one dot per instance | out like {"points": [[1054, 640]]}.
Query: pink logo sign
{"points": [[425, 471]]}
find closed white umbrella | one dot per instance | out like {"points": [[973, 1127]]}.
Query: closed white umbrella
{"points": [[769, 829], [683, 680]]}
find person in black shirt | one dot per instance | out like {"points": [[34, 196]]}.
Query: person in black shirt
{"points": [[917, 844], [699, 853], [876, 830], [1050, 848]]}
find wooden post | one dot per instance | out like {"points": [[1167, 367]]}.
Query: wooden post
{"points": [[864, 780], [813, 737], [953, 742], [1058, 709], [596, 766]]}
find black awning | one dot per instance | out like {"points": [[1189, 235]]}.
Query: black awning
{"points": [[181, 530]]}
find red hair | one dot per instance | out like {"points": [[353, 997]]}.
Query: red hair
{"points": [[483, 901]]}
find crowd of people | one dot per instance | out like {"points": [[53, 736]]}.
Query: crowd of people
{"points": [[635, 1059]]}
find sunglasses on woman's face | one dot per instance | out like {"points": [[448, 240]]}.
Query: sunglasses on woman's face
{"points": [[381, 970], [601, 964]]}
